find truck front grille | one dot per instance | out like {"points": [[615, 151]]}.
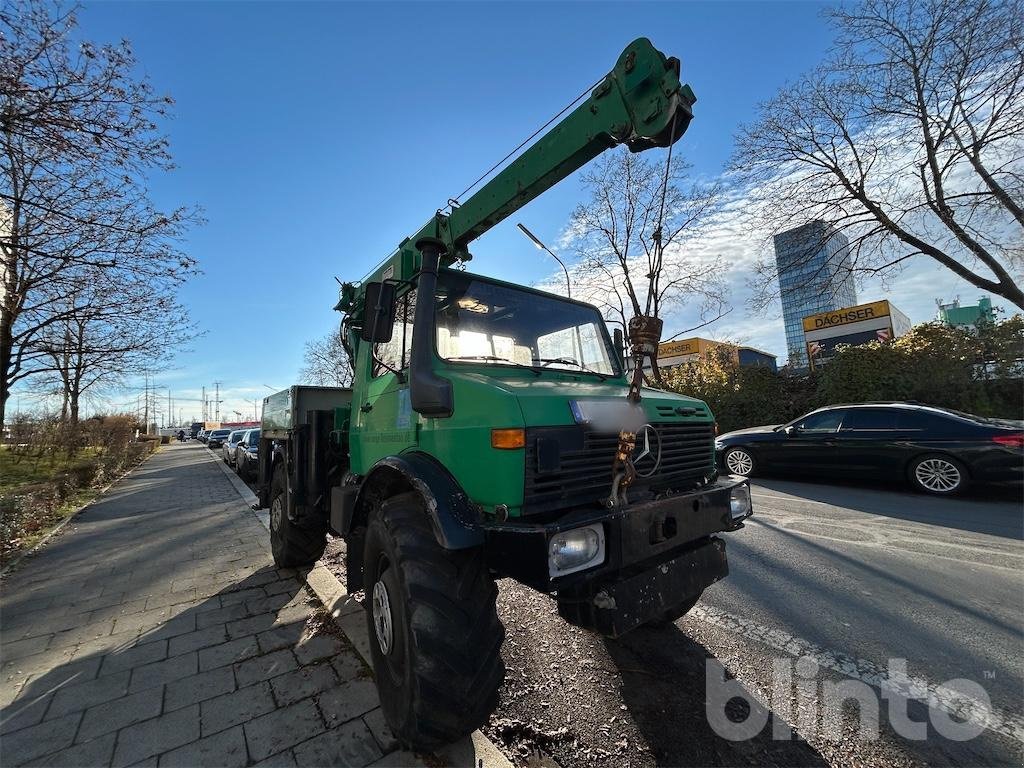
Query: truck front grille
{"points": [[583, 472]]}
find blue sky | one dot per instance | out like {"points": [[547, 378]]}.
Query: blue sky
{"points": [[316, 136]]}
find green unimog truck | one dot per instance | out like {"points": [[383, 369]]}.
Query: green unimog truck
{"points": [[493, 431]]}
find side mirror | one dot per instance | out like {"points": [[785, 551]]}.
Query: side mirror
{"points": [[791, 430], [378, 313], [617, 341]]}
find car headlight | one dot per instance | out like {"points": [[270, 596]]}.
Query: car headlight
{"points": [[574, 550], [739, 502], [719, 445]]}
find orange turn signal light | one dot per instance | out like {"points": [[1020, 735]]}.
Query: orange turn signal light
{"points": [[508, 438]]}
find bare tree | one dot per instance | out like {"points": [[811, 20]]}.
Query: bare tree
{"points": [[109, 329], [326, 362], [78, 133], [620, 265], [909, 140]]}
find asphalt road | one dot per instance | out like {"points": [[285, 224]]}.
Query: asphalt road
{"points": [[885, 574], [847, 576]]}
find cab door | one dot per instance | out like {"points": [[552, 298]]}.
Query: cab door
{"points": [[383, 423]]}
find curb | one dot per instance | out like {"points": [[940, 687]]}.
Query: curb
{"points": [[474, 751], [75, 513]]}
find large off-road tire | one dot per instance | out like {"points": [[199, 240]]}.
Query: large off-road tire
{"points": [[292, 545], [434, 630]]}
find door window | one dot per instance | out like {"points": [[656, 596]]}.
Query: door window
{"points": [[869, 420], [923, 421], [822, 422], [394, 354]]}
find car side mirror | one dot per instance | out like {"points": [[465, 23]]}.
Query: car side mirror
{"points": [[378, 313], [617, 342], [791, 430]]}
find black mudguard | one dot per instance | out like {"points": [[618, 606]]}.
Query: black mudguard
{"points": [[453, 516]]}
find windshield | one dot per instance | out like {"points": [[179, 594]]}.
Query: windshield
{"points": [[480, 321]]}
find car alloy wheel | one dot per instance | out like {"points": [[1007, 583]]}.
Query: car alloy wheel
{"points": [[739, 462], [938, 475], [381, 608]]}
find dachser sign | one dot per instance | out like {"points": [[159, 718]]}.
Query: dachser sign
{"points": [[847, 315]]}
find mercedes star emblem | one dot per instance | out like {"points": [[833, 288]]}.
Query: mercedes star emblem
{"points": [[647, 456]]}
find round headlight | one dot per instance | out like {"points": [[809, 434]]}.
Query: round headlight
{"points": [[572, 550], [739, 502]]}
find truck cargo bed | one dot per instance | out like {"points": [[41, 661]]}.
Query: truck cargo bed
{"points": [[287, 409]]}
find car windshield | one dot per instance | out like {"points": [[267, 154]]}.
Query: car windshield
{"points": [[254, 439], [484, 322]]}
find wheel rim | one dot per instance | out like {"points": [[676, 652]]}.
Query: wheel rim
{"points": [[938, 475], [739, 462], [381, 607], [276, 512]]}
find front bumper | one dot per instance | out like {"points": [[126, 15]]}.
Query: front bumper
{"points": [[615, 606], [637, 538]]}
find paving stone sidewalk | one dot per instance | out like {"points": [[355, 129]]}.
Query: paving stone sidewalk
{"points": [[155, 630]]}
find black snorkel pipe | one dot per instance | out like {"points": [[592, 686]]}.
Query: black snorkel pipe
{"points": [[429, 394]]}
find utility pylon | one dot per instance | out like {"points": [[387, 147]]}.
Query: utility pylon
{"points": [[216, 400]]}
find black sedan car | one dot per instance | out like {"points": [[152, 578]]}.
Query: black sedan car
{"points": [[216, 438], [247, 455], [937, 450]]}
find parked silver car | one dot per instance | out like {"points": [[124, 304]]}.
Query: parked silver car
{"points": [[230, 443]]}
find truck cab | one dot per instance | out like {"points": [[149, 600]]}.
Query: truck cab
{"points": [[538, 400]]}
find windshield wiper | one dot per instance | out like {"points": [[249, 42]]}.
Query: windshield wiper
{"points": [[495, 359], [570, 361]]}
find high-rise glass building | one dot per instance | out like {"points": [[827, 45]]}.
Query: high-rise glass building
{"points": [[815, 275]]}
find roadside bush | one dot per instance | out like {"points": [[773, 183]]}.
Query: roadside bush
{"points": [[934, 364], [979, 373], [741, 396], [44, 473]]}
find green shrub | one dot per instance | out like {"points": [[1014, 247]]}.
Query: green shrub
{"points": [[933, 364], [52, 467]]}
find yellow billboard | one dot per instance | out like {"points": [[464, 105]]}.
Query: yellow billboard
{"points": [[687, 350], [682, 347], [847, 315]]}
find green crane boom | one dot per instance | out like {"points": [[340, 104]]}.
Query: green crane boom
{"points": [[641, 103]]}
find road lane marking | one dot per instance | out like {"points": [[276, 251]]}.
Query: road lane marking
{"points": [[940, 697], [894, 542]]}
